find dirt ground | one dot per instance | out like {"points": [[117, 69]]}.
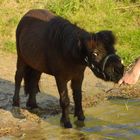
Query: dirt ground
{"points": [[94, 92]]}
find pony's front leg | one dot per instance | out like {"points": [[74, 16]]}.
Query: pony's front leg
{"points": [[76, 85], [64, 102]]}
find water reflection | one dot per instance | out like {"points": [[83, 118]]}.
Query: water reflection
{"points": [[108, 121]]}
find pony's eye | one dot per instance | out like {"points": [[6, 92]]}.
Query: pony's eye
{"points": [[95, 54]]}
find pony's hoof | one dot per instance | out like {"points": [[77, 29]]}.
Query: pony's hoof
{"points": [[67, 125], [17, 113], [81, 118], [79, 124], [31, 106]]}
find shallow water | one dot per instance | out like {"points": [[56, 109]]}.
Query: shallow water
{"points": [[113, 119]]}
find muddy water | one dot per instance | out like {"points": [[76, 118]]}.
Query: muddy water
{"points": [[113, 119]]}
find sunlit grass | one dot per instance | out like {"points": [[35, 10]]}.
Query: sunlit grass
{"points": [[122, 17]]}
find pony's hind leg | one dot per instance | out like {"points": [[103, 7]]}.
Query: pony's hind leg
{"points": [[18, 78], [31, 79]]}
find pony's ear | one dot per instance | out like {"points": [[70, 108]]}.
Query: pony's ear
{"points": [[106, 37]]}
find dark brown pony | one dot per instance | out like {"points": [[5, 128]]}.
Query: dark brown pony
{"points": [[50, 44]]}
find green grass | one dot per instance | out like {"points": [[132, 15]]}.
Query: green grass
{"points": [[120, 16]]}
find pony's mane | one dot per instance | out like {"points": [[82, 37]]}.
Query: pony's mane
{"points": [[65, 36]]}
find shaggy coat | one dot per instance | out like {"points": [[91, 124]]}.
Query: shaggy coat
{"points": [[50, 44]]}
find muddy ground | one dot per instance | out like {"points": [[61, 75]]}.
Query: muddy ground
{"points": [[95, 91]]}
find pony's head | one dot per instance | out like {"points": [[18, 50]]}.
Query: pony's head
{"points": [[100, 56]]}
